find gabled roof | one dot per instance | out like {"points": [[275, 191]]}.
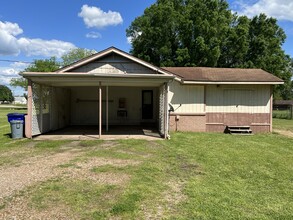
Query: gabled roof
{"points": [[107, 52], [200, 75]]}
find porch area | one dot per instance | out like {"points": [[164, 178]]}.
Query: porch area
{"points": [[90, 133], [97, 109]]}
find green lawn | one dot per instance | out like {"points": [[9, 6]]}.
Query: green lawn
{"points": [[283, 124], [191, 176], [282, 114]]}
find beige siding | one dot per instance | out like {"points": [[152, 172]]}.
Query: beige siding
{"points": [[186, 99], [114, 65], [60, 108], [238, 98]]}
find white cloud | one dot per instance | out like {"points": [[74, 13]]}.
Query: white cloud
{"points": [[39, 47], [93, 35], [130, 39], [8, 40], [10, 28], [19, 65], [9, 72], [5, 80], [11, 44], [94, 17], [280, 9]]}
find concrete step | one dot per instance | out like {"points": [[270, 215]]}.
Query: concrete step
{"points": [[240, 130]]}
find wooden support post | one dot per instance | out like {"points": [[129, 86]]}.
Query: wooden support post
{"points": [[107, 108], [166, 124], [28, 121], [40, 93], [271, 110], [100, 110]]}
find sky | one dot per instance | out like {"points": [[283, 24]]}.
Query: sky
{"points": [[34, 29]]}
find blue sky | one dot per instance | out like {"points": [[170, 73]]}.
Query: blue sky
{"points": [[34, 29]]}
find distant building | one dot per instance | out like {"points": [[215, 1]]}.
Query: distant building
{"points": [[20, 100]]}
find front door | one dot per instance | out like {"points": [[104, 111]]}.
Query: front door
{"points": [[147, 104]]}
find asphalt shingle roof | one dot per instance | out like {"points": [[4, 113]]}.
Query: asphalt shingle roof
{"points": [[208, 74]]}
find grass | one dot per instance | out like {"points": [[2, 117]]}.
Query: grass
{"points": [[283, 124], [191, 176], [282, 114]]}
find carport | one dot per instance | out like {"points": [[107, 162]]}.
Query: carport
{"points": [[136, 93]]}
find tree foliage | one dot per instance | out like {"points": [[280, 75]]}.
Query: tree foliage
{"points": [[6, 94], [51, 65], [74, 55], [206, 33]]}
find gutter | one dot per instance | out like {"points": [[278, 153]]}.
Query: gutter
{"points": [[228, 83]]}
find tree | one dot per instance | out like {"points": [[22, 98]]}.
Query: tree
{"points": [[74, 55], [206, 33], [236, 44], [51, 65], [21, 82], [5, 94], [181, 33], [46, 65], [265, 51]]}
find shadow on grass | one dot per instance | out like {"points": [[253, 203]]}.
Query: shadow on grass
{"points": [[8, 135]]}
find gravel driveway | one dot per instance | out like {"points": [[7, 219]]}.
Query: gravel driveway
{"points": [[15, 179]]}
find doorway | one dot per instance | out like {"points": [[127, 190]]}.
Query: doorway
{"points": [[147, 104]]}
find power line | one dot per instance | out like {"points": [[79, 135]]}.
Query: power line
{"points": [[15, 61]]}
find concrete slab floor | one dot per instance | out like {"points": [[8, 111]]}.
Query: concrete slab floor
{"points": [[91, 133]]}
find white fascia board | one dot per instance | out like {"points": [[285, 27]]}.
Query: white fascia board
{"points": [[229, 83], [96, 75]]}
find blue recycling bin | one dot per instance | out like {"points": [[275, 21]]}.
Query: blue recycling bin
{"points": [[16, 128], [16, 121]]}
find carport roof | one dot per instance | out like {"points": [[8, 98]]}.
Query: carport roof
{"points": [[93, 79]]}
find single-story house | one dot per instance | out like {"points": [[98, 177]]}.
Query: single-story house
{"points": [[114, 88], [282, 104], [20, 100]]}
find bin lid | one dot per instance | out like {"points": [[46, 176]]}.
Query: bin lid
{"points": [[16, 114]]}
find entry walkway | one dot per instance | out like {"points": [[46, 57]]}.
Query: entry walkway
{"points": [[92, 133]]}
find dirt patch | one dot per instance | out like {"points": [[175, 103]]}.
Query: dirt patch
{"points": [[31, 171], [83, 170], [19, 208], [26, 148], [143, 155], [109, 144], [16, 180], [72, 144], [284, 132], [167, 203]]}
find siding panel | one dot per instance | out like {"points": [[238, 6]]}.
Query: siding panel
{"points": [[114, 65], [238, 99], [186, 99]]}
